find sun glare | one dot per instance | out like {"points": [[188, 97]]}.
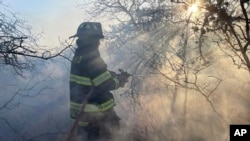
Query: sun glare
{"points": [[193, 8]]}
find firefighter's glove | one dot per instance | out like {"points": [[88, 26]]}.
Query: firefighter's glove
{"points": [[122, 80], [113, 74], [123, 77]]}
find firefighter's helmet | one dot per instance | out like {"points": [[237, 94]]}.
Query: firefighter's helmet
{"points": [[90, 29]]}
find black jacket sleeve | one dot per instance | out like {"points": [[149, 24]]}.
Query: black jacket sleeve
{"points": [[105, 80]]}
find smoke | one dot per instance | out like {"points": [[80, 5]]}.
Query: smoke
{"points": [[164, 111], [159, 112], [188, 116]]}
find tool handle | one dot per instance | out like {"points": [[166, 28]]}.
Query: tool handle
{"points": [[73, 128]]}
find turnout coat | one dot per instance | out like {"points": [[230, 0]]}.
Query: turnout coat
{"points": [[88, 69]]}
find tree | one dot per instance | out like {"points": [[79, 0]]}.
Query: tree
{"points": [[157, 51], [18, 45], [176, 50], [229, 22], [21, 52]]}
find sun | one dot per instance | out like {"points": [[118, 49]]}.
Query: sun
{"points": [[193, 8]]}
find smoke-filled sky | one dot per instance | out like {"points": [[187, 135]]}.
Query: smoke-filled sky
{"points": [[54, 18]]}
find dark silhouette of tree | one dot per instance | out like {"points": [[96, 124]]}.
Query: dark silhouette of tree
{"points": [[228, 21], [136, 12], [176, 47], [18, 45], [20, 50], [154, 53]]}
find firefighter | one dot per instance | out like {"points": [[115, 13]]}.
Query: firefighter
{"points": [[88, 70]]}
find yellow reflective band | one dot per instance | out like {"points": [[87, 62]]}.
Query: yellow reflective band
{"points": [[80, 80], [81, 123], [92, 107], [75, 106], [102, 78], [106, 105], [101, 107]]}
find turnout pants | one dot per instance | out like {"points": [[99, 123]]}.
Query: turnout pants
{"points": [[100, 125]]}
